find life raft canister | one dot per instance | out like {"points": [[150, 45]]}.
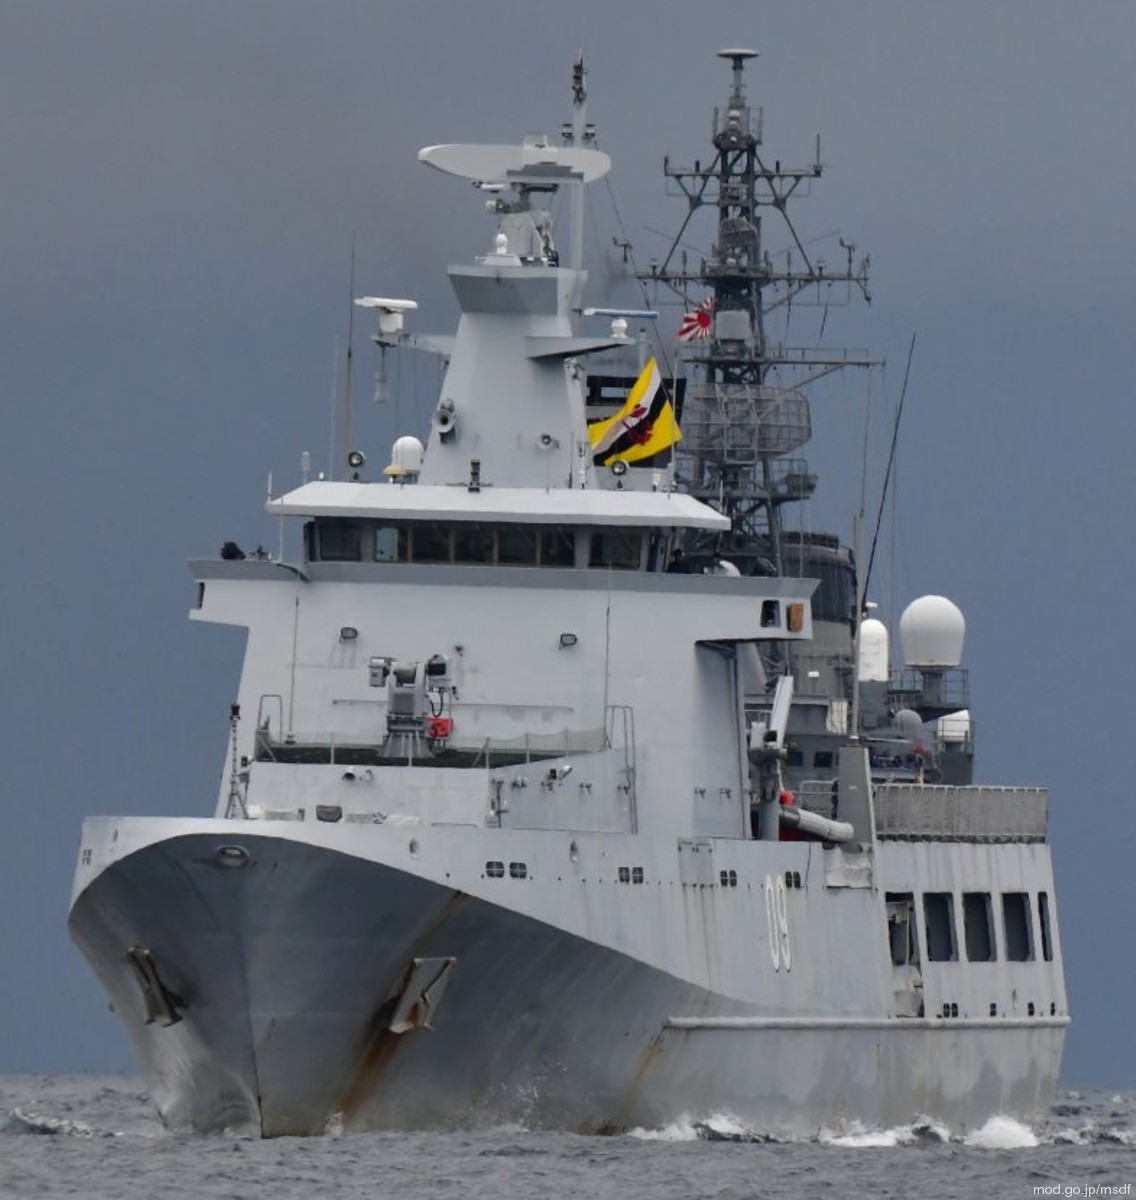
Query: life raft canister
{"points": [[786, 832]]}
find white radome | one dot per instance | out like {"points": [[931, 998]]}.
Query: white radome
{"points": [[406, 457], [873, 651], [931, 632]]}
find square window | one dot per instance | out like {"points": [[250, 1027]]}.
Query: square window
{"points": [[939, 917], [978, 924], [430, 543], [901, 928], [340, 541], [616, 548], [473, 544], [516, 546], [1018, 926], [1046, 933], [557, 548]]}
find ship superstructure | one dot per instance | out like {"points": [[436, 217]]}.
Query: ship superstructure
{"points": [[508, 829]]}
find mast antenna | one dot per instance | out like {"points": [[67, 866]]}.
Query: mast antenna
{"points": [[738, 58], [332, 403], [748, 411], [890, 463], [577, 132], [348, 399]]}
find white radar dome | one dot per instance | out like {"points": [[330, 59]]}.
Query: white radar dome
{"points": [[909, 723], [931, 632], [873, 651], [406, 457]]}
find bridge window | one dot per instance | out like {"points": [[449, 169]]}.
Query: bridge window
{"points": [[340, 541], [430, 542], [516, 546], [658, 551], [473, 543], [557, 548], [619, 549]]}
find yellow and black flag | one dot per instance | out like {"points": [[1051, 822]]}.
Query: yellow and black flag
{"points": [[643, 426]]}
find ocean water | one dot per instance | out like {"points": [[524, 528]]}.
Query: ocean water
{"points": [[96, 1136]]}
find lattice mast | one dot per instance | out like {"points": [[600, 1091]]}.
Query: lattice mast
{"points": [[748, 412]]}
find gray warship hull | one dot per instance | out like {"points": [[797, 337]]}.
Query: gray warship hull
{"points": [[285, 976]]}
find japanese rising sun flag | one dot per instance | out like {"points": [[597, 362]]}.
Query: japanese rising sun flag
{"points": [[643, 426], [697, 323]]}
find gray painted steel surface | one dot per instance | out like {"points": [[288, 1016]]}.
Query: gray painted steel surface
{"points": [[286, 969]]}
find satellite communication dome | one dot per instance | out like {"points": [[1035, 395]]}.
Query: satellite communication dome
{"points": [[873, 651], [931, 632], [406, 457], [909, 723]]}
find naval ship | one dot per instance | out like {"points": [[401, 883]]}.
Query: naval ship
{"points": [[569, 781]]}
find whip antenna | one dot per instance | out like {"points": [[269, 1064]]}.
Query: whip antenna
{"points": [[890, 463]]}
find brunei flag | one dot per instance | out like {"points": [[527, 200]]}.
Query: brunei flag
{"points": [[644, 426]]}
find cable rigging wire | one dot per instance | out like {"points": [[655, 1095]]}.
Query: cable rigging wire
{"points": [[629, 251], [890, 464]]}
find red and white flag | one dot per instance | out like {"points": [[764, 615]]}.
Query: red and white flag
{"points": [[696, 325]]}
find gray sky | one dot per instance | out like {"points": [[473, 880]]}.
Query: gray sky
{"points": [[180, 186]]}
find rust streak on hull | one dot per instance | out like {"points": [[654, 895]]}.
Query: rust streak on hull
{"points": [[382, 1042]]}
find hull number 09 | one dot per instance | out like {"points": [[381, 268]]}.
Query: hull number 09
{"points": [[777, 922]]}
